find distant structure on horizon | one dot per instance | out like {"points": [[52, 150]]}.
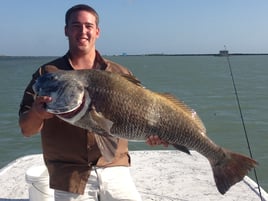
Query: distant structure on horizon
{"points": [[223, 53]]}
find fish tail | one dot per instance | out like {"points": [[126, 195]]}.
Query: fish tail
{"points": [[231, 170]]}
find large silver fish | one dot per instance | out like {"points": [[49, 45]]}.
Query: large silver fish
{"points": [[117, 105]]}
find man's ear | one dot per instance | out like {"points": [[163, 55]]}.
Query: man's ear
{"points": [[65, 31]]}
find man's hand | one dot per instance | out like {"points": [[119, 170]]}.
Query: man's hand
{"points": [[38, 107], [31, 122], [155, 140]]}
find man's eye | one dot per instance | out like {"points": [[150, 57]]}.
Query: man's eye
{"points": [[76, 25], [89, 26]]}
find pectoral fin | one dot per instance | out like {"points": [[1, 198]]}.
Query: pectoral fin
{"points": [[105, 141], [107, 146], [101, 121]]}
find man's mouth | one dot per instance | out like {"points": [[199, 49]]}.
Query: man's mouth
{"points": [[82, 40]]}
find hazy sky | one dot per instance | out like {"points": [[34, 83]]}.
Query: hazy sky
{"points": [[36, 28]]}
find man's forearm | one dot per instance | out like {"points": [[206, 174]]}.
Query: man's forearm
{"points": [[30, 123]]}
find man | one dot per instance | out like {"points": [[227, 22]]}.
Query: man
{"points": [[70, 153]]}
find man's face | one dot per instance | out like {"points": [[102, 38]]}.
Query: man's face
{"points": [[82, 32]]}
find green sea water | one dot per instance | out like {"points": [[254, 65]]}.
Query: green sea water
{"points": [[202, 82]]}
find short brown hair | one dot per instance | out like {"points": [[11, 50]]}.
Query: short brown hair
{"points": [[80, 7]]}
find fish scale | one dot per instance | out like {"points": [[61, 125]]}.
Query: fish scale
{"points": [[174, 127]]}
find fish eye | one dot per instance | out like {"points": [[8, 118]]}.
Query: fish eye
{"points": [[53, 77]]}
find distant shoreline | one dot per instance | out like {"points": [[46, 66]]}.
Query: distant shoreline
{"points": [[155, 54], [230, 54]]}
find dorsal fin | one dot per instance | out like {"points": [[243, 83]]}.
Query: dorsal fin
{"points": [[189, 111], [132, 79]]}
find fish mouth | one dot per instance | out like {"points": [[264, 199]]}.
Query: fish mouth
{"points": [[71, 113]]}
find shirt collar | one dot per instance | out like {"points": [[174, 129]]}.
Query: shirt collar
{"points": [[99, 62]]}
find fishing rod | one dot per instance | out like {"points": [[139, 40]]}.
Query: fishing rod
{"points": [[242, 119]]}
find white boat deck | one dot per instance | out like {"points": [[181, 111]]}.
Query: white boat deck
{"points": [[159, 176]]}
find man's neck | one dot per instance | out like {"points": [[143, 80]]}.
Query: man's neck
{"points": [[82, 61]]}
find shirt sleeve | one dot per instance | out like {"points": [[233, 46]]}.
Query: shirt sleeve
{"points": [[117, 68], [29, 95]]}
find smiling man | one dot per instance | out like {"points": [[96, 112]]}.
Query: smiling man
{"points": [[76, 167]]}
